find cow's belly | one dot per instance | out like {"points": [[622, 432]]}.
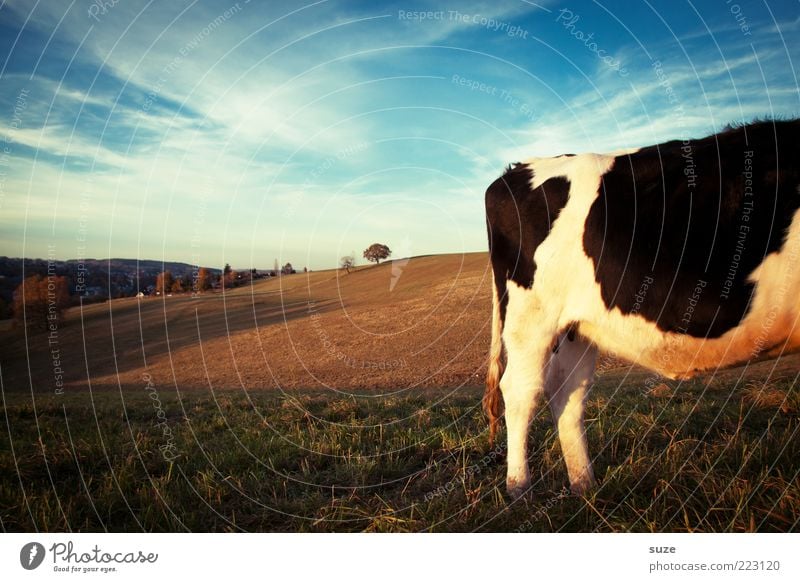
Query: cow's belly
{"points": [[676, 355], [770, 327]]}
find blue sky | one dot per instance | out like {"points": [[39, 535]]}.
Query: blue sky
{"points": [[243, 132]]}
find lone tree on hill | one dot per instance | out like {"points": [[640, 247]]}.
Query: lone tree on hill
{"points": [[376, 252], [347, 263]]}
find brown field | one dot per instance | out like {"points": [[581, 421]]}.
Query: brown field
{"points": [[324, 329]]}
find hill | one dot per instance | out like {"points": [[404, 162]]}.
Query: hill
{"points": [[13, 266], [425, 323], [396, 326]]}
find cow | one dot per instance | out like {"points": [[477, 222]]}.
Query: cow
{"points": [[681, 257]]}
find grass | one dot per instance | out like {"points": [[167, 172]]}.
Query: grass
{"points": [[333, 402], [706, 459]]}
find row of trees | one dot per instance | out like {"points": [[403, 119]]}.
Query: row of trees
{"points": [[39, 301], [374, 253], [167, 283], [203, 281], [206, 279]]}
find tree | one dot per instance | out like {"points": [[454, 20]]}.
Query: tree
{"points": [[203, 280], [164, 282], [229, 281], [287, 269], [40, 301], [376, 252], [347, 263], [177, 286]]}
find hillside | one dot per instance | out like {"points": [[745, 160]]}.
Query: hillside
{"points": [[321, 329], [324, 329]]}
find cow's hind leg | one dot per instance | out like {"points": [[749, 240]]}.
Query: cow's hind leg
{"points": [[569, 376], [522, 386], [528, 342]]}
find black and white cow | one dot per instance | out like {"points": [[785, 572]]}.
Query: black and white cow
{"points": [[680, 257]]}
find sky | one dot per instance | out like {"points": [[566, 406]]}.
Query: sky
{"points": [[247, 132]]}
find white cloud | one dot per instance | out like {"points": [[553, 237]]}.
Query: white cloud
{"points": [[244, 111]]}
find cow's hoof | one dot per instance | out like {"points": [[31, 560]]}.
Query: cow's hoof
{"points": [[583, 486], [517, 489]]}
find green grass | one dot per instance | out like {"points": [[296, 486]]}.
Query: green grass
{"points": [[708, 459]]}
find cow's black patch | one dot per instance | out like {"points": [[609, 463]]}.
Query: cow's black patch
{"points": [[518, 219], [569, 336], [677, 228]]}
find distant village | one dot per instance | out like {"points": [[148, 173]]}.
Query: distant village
{"points": [[93, 280]]}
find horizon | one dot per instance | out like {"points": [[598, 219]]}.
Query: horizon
{"points": [[364, 262], [229, 131]]}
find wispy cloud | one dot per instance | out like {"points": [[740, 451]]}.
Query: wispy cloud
{"points": [[279, 129]]}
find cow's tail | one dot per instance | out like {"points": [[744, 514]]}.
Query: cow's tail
{"points": [[492, 399]]}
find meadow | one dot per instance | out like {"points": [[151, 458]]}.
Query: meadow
{"points": [[335, 402]]}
